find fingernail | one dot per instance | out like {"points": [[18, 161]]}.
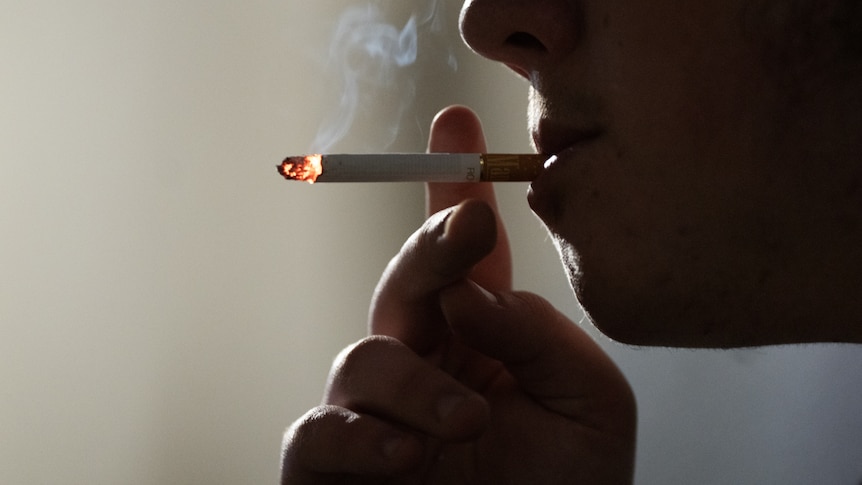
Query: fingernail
{"points": [[439, 223], [491, 297], [447, 222]]}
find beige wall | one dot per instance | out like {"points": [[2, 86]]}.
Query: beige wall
{"points": [[168, 304]]}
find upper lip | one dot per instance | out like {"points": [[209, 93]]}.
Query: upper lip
{"points": [[551, 137]]}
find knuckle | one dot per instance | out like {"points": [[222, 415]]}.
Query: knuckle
{"points": [[359, 360], [374, 370], [312, 434], [362, 353], [300, 435], [308, 425]]}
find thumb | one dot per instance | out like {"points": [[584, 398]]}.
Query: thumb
{"points": [[405, 303], [552, 360]]}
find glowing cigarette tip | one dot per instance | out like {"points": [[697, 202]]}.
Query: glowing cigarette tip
{"points": [[413, 167], [305, 169]]}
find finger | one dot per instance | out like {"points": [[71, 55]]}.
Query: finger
{"points": [[551, 358], [330, 442], [379, 376], [457, 129], [443, 251]]}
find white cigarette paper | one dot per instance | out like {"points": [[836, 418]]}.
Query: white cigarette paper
{"points": [[413, 167]]}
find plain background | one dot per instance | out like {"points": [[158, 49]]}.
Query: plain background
{"points": [[168, 304]]}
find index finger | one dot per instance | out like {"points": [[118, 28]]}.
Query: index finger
{"points": [[458, 129], [451, 245]]}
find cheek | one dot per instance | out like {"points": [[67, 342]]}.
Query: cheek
{"points": [[664, 230], [653, 248], [675, 72]]}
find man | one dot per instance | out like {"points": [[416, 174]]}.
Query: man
{"points": [[706, 192]]}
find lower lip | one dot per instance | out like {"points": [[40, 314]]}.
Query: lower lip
{"points": [[541, 197]]}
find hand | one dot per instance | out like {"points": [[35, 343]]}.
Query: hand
{"points": [[464, 380]]}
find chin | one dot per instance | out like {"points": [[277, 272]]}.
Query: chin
{"points": [[644, 330], [647, 301], [655, 319]]}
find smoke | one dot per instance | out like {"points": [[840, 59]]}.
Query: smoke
{"points": [[373, 64]]}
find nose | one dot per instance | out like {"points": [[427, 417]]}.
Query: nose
{"points": [[526, 35]]}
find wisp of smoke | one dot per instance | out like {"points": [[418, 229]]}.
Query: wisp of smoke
{"points": [[372, 60]]}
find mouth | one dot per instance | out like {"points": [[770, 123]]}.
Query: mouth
{"points": [[566, 145]]}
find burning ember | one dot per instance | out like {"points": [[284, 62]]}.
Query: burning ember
{"points": [[306, 168]]}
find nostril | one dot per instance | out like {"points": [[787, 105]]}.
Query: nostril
{"points": [[527, 41]]}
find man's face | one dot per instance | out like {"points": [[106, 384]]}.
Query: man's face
{"points": [[678, 181]]}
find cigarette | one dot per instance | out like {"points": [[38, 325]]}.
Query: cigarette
{"points": [[413, 167]]}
